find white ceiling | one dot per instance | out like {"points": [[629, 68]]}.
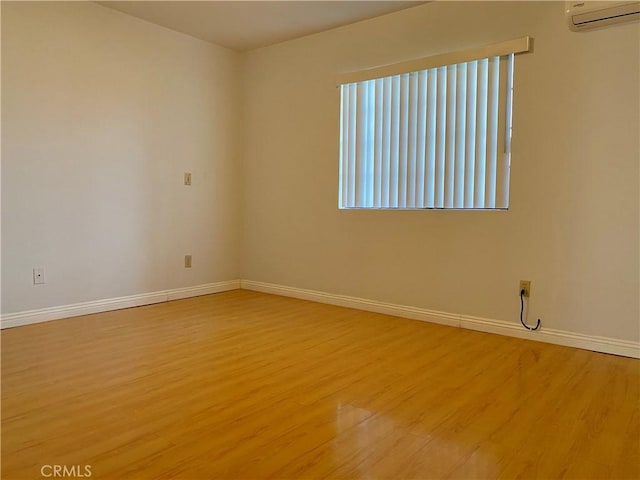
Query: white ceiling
{"points": [[245, 25]]}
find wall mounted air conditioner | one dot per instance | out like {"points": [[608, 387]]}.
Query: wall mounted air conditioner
{"points": [[588, 15]]}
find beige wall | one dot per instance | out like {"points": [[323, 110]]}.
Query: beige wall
{"points": [[102, 114], [572, 227]]}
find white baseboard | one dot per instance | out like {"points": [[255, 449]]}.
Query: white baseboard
{"points": [[558, 337], [97, 306]]}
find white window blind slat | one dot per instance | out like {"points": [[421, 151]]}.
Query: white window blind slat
{"points": [[395, 143], [370, 143], [353, 101], [493, 80], [481, 134], [361, 122], [421, 139], [501, 140], [436, 138], [377, 199], [404, 140], [412, 143], [461, 126], [432, 112], [344, 148], [361, 162], [470, 141], [386, 141], [508, 129], [450, 149], [441, 126]]}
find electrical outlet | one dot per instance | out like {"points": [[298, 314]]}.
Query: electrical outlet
{"points": [[526, 286], [187, 178], [38, 275], [187, 261]]}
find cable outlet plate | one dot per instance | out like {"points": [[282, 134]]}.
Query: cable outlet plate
{"points": [[38, 275], [187, 261], [526, 286]]}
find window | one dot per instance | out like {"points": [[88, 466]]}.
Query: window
{"points": [[436, 137]]}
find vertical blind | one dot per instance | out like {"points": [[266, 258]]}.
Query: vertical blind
{"points": [[434, 138]]}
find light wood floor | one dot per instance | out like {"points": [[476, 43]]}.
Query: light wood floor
{"points": [[244, 385]]}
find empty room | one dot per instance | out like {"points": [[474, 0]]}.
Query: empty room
{"points": [[320, 240]]}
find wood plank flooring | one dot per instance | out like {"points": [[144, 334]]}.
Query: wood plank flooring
{"points": [[244, 385]]}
